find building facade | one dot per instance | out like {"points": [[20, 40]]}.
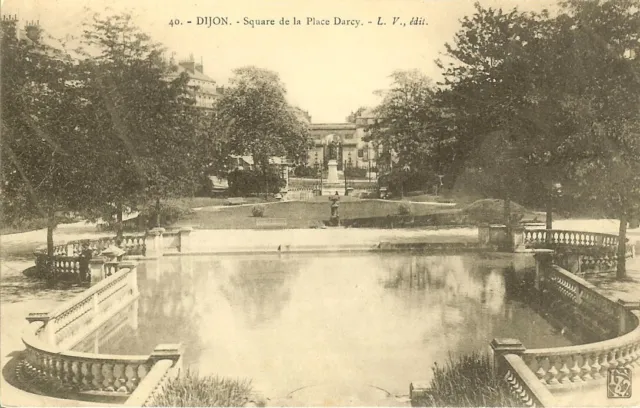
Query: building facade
{"points": [[204, 89], [343, 142]]}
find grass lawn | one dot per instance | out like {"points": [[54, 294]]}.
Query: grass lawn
{"points": [[300, 214], [427, 198], [198, 202], [31, 225]]}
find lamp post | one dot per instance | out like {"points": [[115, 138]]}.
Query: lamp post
{"points": [[345, 177], [319, 174]]}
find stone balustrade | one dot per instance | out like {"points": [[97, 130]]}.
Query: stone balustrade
{"points": [[576, 251], [68, 262], [544, 238], [616, 325], [613, 323], [50, 337], [148, 388], [522, 382], [69, 322], [599, 315]]}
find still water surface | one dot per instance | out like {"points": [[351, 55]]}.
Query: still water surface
{"points": [[294, 321]]}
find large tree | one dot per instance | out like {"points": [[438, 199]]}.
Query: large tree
{"points": [[47, 147], [256, 119], [146, 119], [408, 127], [601, 95]]}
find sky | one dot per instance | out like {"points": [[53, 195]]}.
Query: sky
{"points": [[328, 70]]}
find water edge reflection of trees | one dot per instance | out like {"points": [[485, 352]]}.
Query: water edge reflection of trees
{"points": [[260, 288]]}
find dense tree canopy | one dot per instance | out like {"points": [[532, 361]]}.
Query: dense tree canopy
{"points": [[144, 118], [254, 115], [47, 144]]}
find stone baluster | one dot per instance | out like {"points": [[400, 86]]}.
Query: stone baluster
{"points": [[96, 269], [171, 352], [154, 242], [544, 258], [518, 238], [502, 347]]}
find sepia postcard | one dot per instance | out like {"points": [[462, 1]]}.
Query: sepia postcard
{"points": [[320, 203]]}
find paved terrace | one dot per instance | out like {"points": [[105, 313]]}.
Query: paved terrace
{"points": [[19, 294]]}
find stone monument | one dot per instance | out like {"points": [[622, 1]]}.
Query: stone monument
{"points": [[332, 173], [332, 164]]}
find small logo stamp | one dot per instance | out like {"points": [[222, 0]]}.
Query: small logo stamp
{"points": [[619, 382]]}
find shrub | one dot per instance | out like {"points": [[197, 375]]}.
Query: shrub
{"points": [[257, 211], [492, 211], [355, 172], [191, 390], [247, 182], [404, 209], [305, 171], [468, 381], [170, 212]]}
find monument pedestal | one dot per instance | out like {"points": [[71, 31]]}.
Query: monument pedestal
{"points": [[332, 174]]}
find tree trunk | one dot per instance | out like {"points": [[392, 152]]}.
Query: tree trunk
{"points": [[507, 211], [158, 212], [549, 220], [51, 225], [119, 226], [266, 181], [621, 271], [507, 223]]}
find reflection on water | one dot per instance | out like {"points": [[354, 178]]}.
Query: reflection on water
{"points": [[292, 321]]}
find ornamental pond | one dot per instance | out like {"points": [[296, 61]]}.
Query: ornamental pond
{"points": [[294, 321]]}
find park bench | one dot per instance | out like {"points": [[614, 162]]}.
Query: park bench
{"points": [[236, 201], [271, 222]]}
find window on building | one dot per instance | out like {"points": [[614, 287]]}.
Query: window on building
{"points": [[361, 153]]}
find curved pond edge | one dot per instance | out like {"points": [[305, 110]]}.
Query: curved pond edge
{"points": [[532, 375]]}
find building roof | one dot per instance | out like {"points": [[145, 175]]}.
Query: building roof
{"points": [[195, 74]]}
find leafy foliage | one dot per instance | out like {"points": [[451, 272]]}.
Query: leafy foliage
{"points": [[191, 390], [257, 211], [490, 211], [468, 381], [168, 213], [141, 114], [47, 143], [256, 119], [247, 182], [404, 122]]}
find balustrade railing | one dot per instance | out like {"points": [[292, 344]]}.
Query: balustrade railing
{"points": [[70, 321], [523, 383], [78, 372], [616, 327], [543, 238], [147, 390], [50, 336]]}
